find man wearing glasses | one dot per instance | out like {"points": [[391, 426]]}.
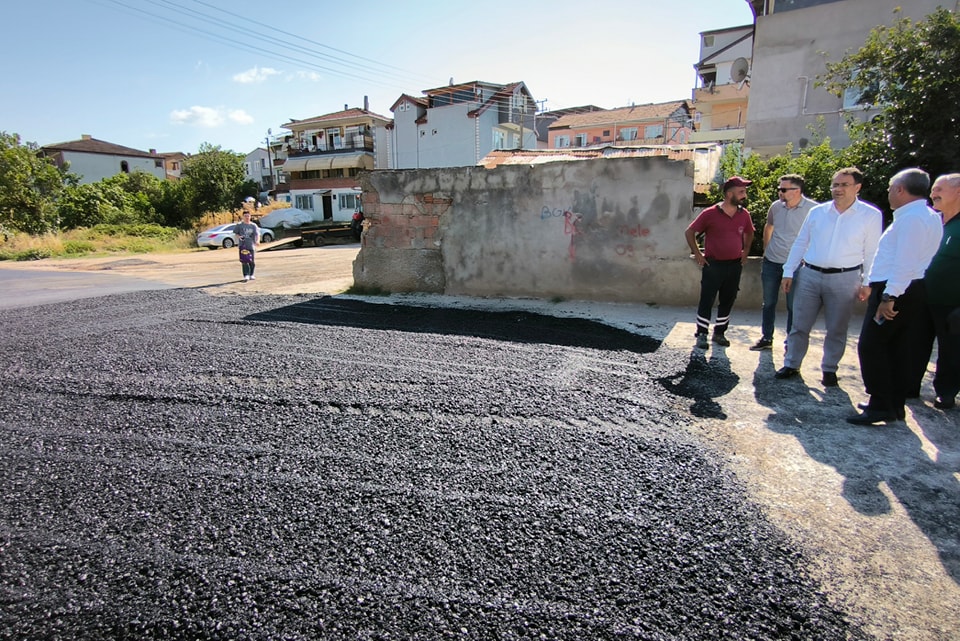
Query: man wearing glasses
{"points": [[836, 245], [783, 224]]}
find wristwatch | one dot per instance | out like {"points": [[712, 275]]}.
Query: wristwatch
{"points": [[887, 298]]}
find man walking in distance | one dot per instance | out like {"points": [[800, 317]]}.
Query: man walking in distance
{"points": [[728, 232], [783, 224], [942, 285], [836, 243], [897, 302]]}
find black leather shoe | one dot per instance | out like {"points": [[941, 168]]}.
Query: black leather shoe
{"points": [[901, 414], [786, 372], [870, 417], [830, 379], [944, 403]]}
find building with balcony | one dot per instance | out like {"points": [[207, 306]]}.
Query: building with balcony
{"points": [[722, 93], [667, 123], [324, 155], [457, 125]]}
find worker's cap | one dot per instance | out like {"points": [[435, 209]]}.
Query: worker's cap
{"points": [[736, 181]]}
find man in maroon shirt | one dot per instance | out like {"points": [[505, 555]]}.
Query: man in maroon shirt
{"points": [[728, 232]]}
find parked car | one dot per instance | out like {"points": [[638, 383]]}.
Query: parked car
{"points": [[222, 236]]}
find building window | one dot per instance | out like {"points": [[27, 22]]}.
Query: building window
{"points": [[348, 201], [606, 132], [708, 41], [653, 131], [175, 166], [304, 202], [562, 141], [124, 167], [498, 140], [629, 133], [580, 140]]}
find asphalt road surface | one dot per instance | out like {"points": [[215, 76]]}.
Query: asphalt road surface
{"points": [[257, 460], [179, 466]]}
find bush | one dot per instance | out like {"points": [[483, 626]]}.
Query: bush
{"points": [[78, 247]]}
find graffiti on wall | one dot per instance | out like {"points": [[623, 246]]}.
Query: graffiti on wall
{"points": [[575, 227]]}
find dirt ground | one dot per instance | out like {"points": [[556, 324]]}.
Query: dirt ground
{"points": [[877, 507]]}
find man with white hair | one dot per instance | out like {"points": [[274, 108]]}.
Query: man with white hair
{"points": [[897, 303], [942, 283]]}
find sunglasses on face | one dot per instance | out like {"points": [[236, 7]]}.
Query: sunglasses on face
{"points": [[783, 190]]}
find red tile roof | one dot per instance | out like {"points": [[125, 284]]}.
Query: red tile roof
{"points": [[94, 146], [636, 113]]}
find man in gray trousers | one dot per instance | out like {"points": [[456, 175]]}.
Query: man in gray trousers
{"points": [[836, 245]]}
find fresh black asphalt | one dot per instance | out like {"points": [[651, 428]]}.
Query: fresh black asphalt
{"points": [[180, 466]]}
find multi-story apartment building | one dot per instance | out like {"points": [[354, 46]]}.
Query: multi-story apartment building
{"points": [[459, 124], [792, 41], [324, 155], [723, 85]]}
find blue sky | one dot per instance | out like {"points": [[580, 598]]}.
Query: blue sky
{"points": [[172, 74]]}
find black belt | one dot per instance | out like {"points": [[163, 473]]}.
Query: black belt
{"points": [[832, 270]]}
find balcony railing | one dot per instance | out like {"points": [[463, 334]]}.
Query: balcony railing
{"points": [[353, 143]]}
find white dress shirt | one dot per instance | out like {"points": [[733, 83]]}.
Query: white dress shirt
{"points": [[830, 239], [907, 246]]}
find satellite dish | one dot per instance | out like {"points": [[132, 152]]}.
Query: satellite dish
{"points": [[739, 70]]}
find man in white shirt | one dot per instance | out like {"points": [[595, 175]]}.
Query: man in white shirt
{"points": [[897, 298], [836, 245]]}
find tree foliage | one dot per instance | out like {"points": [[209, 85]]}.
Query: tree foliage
{"points": [[212, 180], [908, 70], [817, 164], [29, 187]]}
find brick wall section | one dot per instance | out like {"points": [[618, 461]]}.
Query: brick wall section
{"points": [[412, 223]]}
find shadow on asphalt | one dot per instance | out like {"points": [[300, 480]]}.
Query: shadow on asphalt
{"points": [[871, 458], [512, 326], [704, 380]]}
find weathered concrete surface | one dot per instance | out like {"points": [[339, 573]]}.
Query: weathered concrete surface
{"points": [[608, 229]]}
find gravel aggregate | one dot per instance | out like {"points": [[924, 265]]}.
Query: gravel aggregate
{"points": [[177, 466]]}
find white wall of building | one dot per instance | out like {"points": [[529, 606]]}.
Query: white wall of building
{"points": [[95, 167]]}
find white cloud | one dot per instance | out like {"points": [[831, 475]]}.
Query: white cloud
{"points": [[312, 76], [255, 75], [240, 116], [198, 116]]}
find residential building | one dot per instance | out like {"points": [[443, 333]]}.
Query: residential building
{"points": [[324, 156], [723, 85], [792, 41], [652, 124], [459, 124], [257, 168], [173, 164], [93, 160], [547, 118]]}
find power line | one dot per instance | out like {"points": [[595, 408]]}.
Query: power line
{"points": [[242, 45]]}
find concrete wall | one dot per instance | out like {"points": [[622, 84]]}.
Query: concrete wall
{"points": [[605, 229]]}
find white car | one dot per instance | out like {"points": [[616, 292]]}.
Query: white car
{"points": [[223, 236]]}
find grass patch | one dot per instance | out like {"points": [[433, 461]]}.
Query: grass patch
{"points": [[101, 240]]}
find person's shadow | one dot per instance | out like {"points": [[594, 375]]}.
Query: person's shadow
{"points": [[873, 458], [703, 380]]}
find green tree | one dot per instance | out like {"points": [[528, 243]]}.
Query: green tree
{"points": [[29, 187], [816, 163], [212, 180], [909, 70]]}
